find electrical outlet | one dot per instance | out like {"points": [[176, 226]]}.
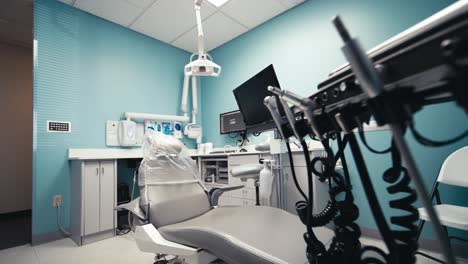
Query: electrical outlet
{"points": [[57, 200]]}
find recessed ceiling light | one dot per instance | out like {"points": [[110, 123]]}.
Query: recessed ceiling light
{"points": [[218, 3]]}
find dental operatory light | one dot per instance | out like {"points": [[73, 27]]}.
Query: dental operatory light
{"points": [[201, 64]]}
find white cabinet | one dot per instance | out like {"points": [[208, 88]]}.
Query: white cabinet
{"points": [[246, 195], [292, 195], [93, 200], [91, 206], [107, 200]]}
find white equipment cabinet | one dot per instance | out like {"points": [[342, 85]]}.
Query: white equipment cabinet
{"points": [[93, 200], [292, 195], [246, 195], [215, 168]]}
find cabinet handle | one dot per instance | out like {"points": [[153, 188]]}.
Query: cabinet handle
{"points": [[102, 170], [97, 171]]}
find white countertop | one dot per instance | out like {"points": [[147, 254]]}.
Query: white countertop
{"points": [[116, 153], [137, 153], [107, 153]]}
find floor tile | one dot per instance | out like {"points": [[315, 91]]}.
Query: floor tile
{"points": [[19, 255], [117, 250]]}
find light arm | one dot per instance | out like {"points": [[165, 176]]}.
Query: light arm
{"points": [[201, 40], [194, 100], [185, 94]]}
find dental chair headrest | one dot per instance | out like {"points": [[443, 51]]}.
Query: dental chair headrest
{"points": [[157, 143]]}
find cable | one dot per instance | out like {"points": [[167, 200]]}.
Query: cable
{"points": [[130, 223], [123, 232], [433, 143], [400, 182], [373, 260], [429, 257], [423, 195], [345, 246], [458, 238], [372, 197], [364, 141], [65, 232], [320, 219], [293, 172], [314, 246], [235, 136], [256, 134], [313, 138]]}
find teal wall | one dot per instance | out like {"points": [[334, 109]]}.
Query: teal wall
{"points": [[304, 47], [87, 71]]}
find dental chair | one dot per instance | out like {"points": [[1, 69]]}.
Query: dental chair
{"points": [[176, 216]]}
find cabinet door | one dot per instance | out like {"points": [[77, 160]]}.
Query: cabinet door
{"points": [[91, 197], [292, 195], [107, 202], [224, 200]]}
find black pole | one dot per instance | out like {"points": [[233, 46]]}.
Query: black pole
{"points": [[257, 193], [372, 197]]}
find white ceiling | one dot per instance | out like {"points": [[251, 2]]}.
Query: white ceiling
{"points": [[174, 22]]}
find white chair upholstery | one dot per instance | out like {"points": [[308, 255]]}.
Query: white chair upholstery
{"points": [[449, 215], [452, 172]]}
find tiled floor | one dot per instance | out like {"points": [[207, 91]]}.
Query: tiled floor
{"points": [[420, 259], [118, 250]]}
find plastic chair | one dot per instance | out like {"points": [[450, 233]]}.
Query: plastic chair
{"points": [[452, 172]]}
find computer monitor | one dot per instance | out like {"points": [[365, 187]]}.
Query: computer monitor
{"points": [[250, 96], [231, 122]]}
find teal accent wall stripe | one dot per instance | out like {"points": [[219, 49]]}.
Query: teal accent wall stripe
{"points": [[88, 70], [304, 47]]}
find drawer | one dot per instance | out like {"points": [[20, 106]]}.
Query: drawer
{"points": [[242, 202], [298, 158], [244, 159], [244, 193], [224, 201], [250, 183], [248, 193]]}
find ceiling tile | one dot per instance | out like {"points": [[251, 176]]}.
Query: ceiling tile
{"points": [[117, 11], [288, 3], [188, 41], [253, 13], [291, 3], [141, 3], [168, 19], [218, 29]]}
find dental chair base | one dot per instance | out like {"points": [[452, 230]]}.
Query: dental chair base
{"points": [[149, 240], [177, 216], [219, 230]]}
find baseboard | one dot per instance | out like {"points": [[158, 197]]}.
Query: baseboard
{"points": [[47, 237], [459, 250]]}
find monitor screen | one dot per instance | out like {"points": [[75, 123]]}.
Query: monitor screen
{"points": [[250, 96], [231, 122]]}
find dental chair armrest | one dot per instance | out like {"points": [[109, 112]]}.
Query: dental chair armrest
{"points": [[134, 208], [215, 193], [247, 171]]}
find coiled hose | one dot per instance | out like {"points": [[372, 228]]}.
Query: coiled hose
{"points": [[400, 181], [320, 219], [404, 238], [345, 245]]}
